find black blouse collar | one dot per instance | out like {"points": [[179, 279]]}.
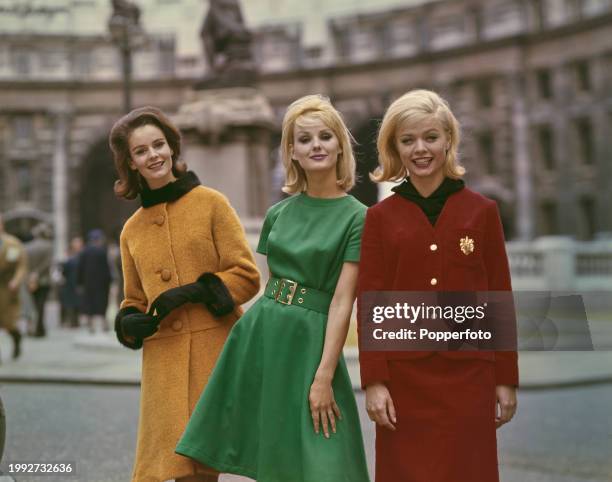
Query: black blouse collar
{"points": [[433, 204], [445, 189], [170, 192]]}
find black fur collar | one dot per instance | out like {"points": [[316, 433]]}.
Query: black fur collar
{"points": [[170, 192]]}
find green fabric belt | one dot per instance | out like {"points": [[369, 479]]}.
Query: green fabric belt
{"points": [[289, 292]]}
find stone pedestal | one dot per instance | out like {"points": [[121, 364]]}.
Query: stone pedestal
{"points": [[227, 136]]}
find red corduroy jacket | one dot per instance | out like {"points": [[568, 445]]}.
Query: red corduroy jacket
{"points": [[402, 251]]}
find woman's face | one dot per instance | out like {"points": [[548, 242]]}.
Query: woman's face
{"points": [[151, 155], [422, 149], [315, 146]]}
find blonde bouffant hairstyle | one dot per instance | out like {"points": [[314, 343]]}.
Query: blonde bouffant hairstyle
{"points": [[413, 107], [316, 107]]}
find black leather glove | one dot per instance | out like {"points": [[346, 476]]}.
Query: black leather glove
{"points": [[128, 341], [139, 325], [175, 297], [208, 289]]}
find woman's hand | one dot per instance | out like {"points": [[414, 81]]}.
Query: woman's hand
{"points": [[323, 407], [379, 405], [505, 406], [139, 325]]}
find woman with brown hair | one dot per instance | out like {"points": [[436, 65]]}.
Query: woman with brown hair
{"points": [[187, 267]]}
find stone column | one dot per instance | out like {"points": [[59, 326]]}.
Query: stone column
{"points": [[227, 144], [567, 213], [523, 175], [60, 183]]}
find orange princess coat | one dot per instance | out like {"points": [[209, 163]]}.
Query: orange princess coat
{"points": [[182, 231]]}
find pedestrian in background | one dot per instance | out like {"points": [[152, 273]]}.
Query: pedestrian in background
{"points": [[94, 280], [187, 268], [436, 412], [70, 298], [40, 258], [13, 269], [114, 255]]}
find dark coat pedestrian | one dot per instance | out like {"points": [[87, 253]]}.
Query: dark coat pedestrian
{"points": [[94, 275], [40, 259], [70, 297]]}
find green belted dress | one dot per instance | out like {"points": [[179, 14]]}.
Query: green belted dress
{"points": [[253, 418]]}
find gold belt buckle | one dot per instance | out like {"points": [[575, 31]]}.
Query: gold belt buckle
{"points": [[289, 297]]}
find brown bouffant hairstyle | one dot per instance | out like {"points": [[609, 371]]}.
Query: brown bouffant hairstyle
{"points": [[130, 182]]}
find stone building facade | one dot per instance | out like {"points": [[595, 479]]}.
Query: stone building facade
{"points": [[531, 82], [59, 95]]}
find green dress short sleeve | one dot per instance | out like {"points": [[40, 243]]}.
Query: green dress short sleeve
{"points": [[353, 246], [262, 246]]}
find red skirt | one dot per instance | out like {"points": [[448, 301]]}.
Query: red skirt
{"points": [[445, 429]]}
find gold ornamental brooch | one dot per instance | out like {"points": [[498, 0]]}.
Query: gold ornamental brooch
{"points": [[466, 245]]}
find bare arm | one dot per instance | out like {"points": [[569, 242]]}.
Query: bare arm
{"points": [[338, 320], [323, 407]]}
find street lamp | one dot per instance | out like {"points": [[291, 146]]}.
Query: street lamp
{"points": [[127, 34]]}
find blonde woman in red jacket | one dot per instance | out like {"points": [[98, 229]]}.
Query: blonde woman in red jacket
{"points": [[436, 412]]}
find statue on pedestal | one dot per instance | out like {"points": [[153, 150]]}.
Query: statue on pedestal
{"points": [[226, 121], [125, 11], [227, 44]]}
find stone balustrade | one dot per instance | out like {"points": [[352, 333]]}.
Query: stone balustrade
{"points": [[559, 263]]}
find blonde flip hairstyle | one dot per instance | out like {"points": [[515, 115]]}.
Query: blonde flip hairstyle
{"points": [[413, 107], [320, 108]]}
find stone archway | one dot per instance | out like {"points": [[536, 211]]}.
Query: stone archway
{"points": [[99, 207], [506, 213], [366, 156]]}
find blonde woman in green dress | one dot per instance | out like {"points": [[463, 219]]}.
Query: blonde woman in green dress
{"points": [[279, 405]]}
